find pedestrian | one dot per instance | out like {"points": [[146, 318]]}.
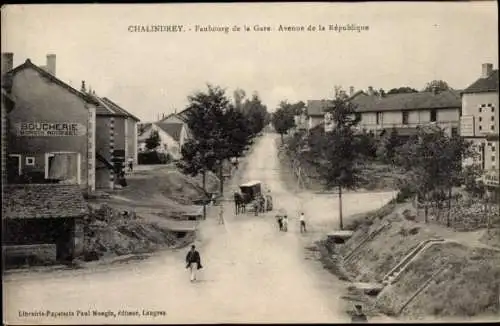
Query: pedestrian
{"points": [[285, 223], [221, 214], [302, 220], [130, 164], [193, 262], [279, 218], [358, 316]]}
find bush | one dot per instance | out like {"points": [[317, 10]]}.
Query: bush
{"points": [[154, 157]]}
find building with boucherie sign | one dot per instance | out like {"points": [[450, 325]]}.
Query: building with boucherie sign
{"points": [[51, 134]]}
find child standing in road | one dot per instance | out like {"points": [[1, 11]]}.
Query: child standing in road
{"points": [[279, 218], [302, 220], [221, 214], [285, 223]]}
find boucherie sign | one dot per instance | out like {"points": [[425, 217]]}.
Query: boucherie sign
{"points": [[47, 129]]}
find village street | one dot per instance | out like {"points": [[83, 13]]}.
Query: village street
{"points": [[252, 272]]}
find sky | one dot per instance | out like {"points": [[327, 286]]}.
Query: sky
{"points": [[149, 73]]}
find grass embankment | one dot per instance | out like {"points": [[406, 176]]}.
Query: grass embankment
{"points": [[468, 288]]}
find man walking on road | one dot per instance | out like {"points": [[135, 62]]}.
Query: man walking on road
{"points": [[193, 261], [302, 220]]}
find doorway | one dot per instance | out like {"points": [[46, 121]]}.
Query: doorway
{"points": [[63, 166], [14, 168]]}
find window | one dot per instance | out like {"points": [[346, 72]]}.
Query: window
{"points": [[480, 110], [454, 131], [492, 109], [492, 127], [30, 161], [492, 148], [379, 117], [493, 158], [480, 127], [405, 117], [358, 116], [480, 119], [489, 104], [492, 118], [433, 115]]}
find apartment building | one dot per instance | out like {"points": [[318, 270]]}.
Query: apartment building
{"points": [[480, 117], [404, 112]]}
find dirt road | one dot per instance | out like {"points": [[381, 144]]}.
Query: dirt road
{"points": [[253, 273]]}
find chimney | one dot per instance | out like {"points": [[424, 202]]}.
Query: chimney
{"points": [[370, 90], [351, 91], [7, 62], [83, 89], [51, 64], [487, 69]]}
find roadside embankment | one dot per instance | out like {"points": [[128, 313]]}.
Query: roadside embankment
{"points": [[110, 232], [454, 278]]}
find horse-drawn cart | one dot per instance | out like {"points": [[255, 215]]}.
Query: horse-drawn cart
{"points": [[251, 193]]}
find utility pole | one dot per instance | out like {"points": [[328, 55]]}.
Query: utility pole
{"points": [[221, 176], [340, 209]]}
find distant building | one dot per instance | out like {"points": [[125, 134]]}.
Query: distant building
{"points": [[51, 129], [405, 112], [480, 117], [172, 137]]}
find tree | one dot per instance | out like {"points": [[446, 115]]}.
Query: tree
{"points": [[153, 141], [255, 113], [402, 90], [366, 144], [219, 133], [283, 119], [206, 122], [333, 153], [387, 150], [436, 85], [433, 162]]}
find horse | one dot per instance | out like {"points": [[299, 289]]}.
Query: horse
{"points": [[239, 203]]}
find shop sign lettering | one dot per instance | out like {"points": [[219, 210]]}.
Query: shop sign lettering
{"points": [[48, 129]]}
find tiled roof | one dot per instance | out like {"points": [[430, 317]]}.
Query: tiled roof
{"points": [[117, 108], [173, 129], [408, 101], [43, 201], [52, 78], [482, 85], [317, 107]]}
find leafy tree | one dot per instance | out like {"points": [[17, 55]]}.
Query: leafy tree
{"points": [[255, 112], [207, 123], [402, 90], [333, 153], [388, 146], [433, 161], [283, 119], [219, 132], [436, 85], [366, 144], [153, 141]]}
